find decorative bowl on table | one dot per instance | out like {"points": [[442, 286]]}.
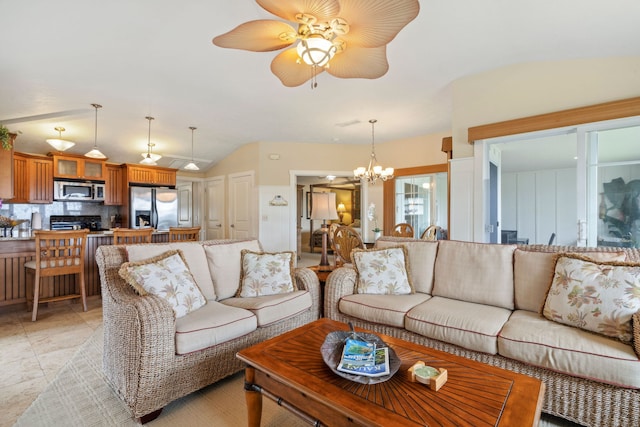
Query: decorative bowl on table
{"points": [[332, 348]]}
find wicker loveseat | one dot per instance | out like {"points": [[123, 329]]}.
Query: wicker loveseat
{"points": [[151, 358], [590, 379]]}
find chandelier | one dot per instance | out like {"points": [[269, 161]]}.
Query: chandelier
{"points": [[373, 172], [149, 157], [95, 153], [59, 143]]}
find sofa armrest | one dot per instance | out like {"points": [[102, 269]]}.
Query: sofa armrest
{"points": [[341, 282], [139, 331], [308, 279]]}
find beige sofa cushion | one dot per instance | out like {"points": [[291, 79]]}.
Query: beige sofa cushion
{"points": [[273, 308], [382, 309], [213, 324], [465, 324], [224, 264], [530, 338], [193, 254], [475, 272], [533, 271], [422, 257]]}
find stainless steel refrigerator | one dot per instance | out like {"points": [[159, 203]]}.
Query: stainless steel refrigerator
{"points": [[155, 207]]}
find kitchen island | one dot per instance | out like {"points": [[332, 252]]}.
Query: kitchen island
{"points": [[15, 251]]}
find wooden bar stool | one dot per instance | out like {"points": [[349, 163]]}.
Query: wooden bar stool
{"points": [[128, 236], [57, 253], [184, 234]]}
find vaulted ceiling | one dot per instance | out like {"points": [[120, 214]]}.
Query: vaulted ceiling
{"points": [[155, 58]]}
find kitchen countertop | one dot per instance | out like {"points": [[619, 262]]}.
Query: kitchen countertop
{"points": [[92, 234]]}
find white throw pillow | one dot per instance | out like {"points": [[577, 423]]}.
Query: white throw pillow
{"points": [[266, 274], [596, 296], [168, 277], [382, 271]]}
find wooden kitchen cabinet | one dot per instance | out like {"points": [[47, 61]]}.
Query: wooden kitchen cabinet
{"points": [[78, 167], [6, 171], [137, 174], [32, 179], [114, 185]]}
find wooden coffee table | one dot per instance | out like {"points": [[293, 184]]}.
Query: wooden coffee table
{"points": [[290, 370]]}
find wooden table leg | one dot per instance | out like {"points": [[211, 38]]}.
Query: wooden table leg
{"points": [[253, 397]]}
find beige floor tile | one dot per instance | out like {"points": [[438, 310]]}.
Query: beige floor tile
{"points": [[17, 398], [61, 337], [25, 369], [15, 347], [53, 361]]}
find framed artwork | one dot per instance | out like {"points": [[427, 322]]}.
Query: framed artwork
{"points": [[308, 205]]}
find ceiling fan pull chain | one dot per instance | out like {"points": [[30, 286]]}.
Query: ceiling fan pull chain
{"points": [[314, 82]]}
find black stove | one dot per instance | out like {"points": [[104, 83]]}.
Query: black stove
{"points": [[76, 222]]}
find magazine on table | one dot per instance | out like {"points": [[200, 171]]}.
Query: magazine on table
{"points": [[363, 358]]}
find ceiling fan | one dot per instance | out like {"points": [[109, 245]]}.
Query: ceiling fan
{"points": [[347, 38]]}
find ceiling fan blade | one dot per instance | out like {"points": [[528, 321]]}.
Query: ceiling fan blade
{"points": [[375, 23], [360, 62], [258, 36], [323, 10], [290, 70]]}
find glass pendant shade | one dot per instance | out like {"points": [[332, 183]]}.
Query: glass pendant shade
{"points": [[191, 166], [58, 143], [95, 153], [316, 51], [149, 158]]}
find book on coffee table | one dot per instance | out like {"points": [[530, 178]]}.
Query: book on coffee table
{"points": [[378, 368]]}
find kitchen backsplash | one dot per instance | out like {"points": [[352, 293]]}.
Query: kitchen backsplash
{"points": [[24, 211]]}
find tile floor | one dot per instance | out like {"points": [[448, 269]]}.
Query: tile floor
{"points": [[32, 353]]}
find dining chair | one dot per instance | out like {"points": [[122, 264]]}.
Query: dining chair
{"points": [[402, 230], [184, 234], [431, 233], [128, 236], [345, 239], [57, 253]]}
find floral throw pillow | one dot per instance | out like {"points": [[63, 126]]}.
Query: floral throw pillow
{"points": [[266, 273], [382, 271], [596, 296], [168, 277]]}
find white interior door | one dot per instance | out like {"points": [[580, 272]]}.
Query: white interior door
{"points": [[185, 204], [215, 207], [241, 206]]}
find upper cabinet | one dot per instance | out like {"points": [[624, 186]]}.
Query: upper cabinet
{"points": [[6, 171], [154, 175], [32, 179], [78, 167], [114, 185]]}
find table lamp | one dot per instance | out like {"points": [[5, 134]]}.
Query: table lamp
{"points": [[341, 210], [323, 207]]}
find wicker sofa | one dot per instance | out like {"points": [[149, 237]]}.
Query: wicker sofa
{"points": [[590, 379], [151, 358]]}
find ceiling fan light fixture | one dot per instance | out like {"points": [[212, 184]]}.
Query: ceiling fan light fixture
{"points": [[58, 143], [95, 153], [374, 171], [316, 50]]}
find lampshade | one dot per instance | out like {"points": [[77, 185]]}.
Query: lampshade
{"points": [[316, 50], [191, 166], [323, 206], [341, 208], [155, 157], [95, 153], [59, 143]]}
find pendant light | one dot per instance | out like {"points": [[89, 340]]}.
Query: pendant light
{"points": [[148, 157], [373, 172], [191, 166], [95, 153], [59, 143]]}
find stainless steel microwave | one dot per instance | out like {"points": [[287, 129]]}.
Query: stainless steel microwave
{"points": [[78, 191]]}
